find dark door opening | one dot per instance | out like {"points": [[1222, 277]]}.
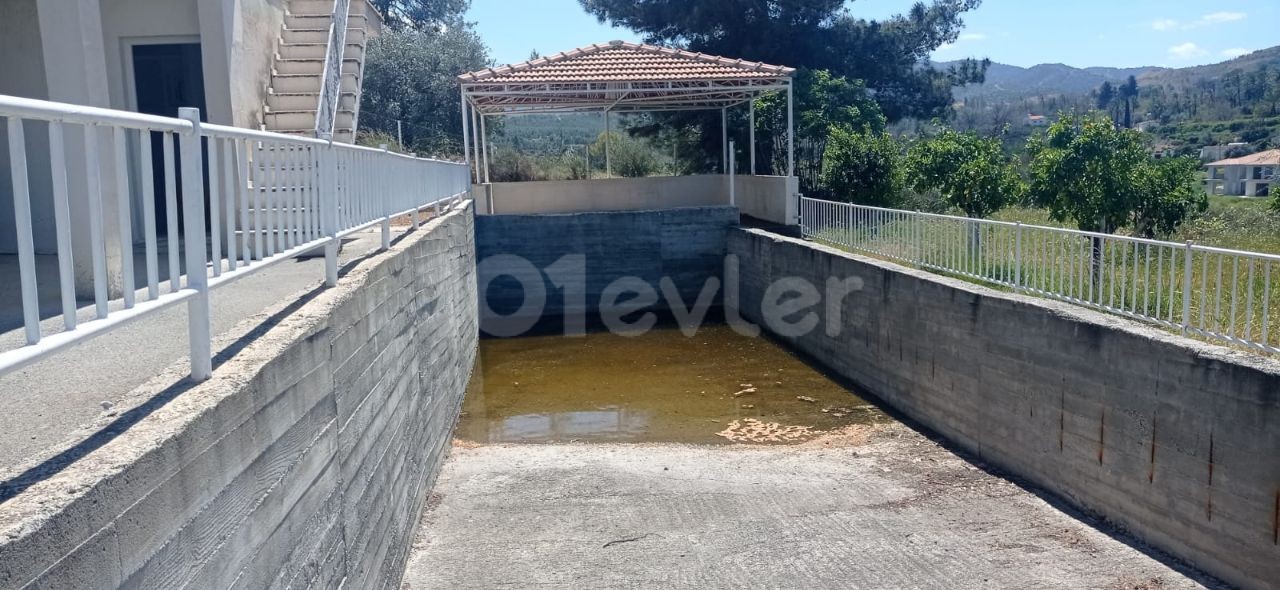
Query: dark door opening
{"points": [[166, 77]]}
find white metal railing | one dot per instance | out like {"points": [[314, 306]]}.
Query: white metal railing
{"points": [[331, 78], [248, 199], [1199, 290]]}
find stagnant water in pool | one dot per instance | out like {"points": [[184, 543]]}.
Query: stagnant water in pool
{"points": [[717, 387]]}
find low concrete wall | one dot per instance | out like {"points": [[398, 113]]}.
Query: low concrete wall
{"points": [[1174, 440], [775, 199], [603, 194], [304, 462], [687, 245]]}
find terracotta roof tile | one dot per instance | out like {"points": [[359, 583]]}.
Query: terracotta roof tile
{"points": [[619, 61], [1267, 158]]}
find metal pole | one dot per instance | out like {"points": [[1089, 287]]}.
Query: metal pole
{"points": [[329, 210], [382, 187], [466, 133], [791, 132], [608, 160], [199, 329], [475, 141], [751, 105], [484, 144], [1186, 288], [399, 134], [732, 170], [724, 141]]}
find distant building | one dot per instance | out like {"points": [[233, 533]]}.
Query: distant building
{"points": [[1146, 126], [1037, 120], [1213, 153], [1248, 176]]}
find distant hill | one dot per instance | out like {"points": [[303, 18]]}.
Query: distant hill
{"points": [[1011, 82]]}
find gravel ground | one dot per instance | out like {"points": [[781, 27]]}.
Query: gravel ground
{"points": [[870, 507]]}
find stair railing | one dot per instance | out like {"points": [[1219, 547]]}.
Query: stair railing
{"points": [[331, 78]]}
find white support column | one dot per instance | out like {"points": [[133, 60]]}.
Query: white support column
{"points": [[466, 131], [475, 142], [484, 145], [724, 140], [791, 132], [608, 136], [751, 106]]}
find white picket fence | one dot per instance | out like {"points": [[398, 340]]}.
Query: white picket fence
{"points": [[248, 199], [1199, 290]]}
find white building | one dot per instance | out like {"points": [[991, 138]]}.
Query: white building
{"points": [[1248, 176], [247, 63]]}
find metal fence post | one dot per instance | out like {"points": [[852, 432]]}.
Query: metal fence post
{"points": [[1186, 288], [193, 236], [384, 200], [329, 210], [733, 168], [1017, 257]]}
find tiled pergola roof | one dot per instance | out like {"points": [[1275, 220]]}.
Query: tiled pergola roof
{"points": [[619, 76]]}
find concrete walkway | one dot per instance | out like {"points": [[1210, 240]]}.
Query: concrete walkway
{"points": [[876, 507], [46, 406]]}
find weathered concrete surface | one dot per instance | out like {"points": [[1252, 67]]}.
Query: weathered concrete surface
{"points": [[686, 245], [894, 511], [49, 406], [1174, 440], [303, 462]]}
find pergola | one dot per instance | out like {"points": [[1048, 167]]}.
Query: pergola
{"points": [[619, 77]]}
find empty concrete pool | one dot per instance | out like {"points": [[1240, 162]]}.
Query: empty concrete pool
{"points": [[719, 460]]}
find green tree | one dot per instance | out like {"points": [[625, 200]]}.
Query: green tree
{"points": [[1128, 93], [862, 167], [971, 172], [1102, 178], [891, 55], [410, 77], [421, 14]]}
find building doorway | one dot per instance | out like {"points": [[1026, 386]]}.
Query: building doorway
{"points": [[166, 77]]}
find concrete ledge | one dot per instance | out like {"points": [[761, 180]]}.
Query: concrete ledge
{"points": [[1175, 440], [279, 471]]}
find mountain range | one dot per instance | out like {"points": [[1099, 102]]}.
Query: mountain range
{"points": [[1009, 82]]}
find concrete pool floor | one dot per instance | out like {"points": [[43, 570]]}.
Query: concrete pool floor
{"points": [[863, 505], [880, 507]]}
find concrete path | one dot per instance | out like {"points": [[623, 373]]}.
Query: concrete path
{"points": [[873, 508], [43, 407]]}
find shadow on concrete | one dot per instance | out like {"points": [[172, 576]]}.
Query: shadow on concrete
{"points": [[55, 464]]}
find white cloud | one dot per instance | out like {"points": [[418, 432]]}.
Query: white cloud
{"points": [[1213, 18], [963, 38], [1234, 52], [1186, 51], [1222, 17]]}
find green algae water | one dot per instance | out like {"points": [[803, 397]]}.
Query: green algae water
{"points": [[717, 387]]}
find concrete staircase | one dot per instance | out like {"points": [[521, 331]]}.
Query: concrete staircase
{"points": [[294, 92]]}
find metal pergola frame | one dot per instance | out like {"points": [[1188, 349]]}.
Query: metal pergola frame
{"points": [[483, 97]]}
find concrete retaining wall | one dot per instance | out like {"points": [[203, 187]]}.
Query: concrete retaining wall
{"points": [[687, 245], [1171, 439], [304, 462]]}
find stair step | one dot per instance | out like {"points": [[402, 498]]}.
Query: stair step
{"points": [[286, 83], [317, 50], [289, 35], [322, 7], [295, 20], [304, 119], [306, 101], [339, 135], [313, 66]]}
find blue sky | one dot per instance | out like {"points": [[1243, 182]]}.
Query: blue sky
{"points": [[1080, 33]]}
